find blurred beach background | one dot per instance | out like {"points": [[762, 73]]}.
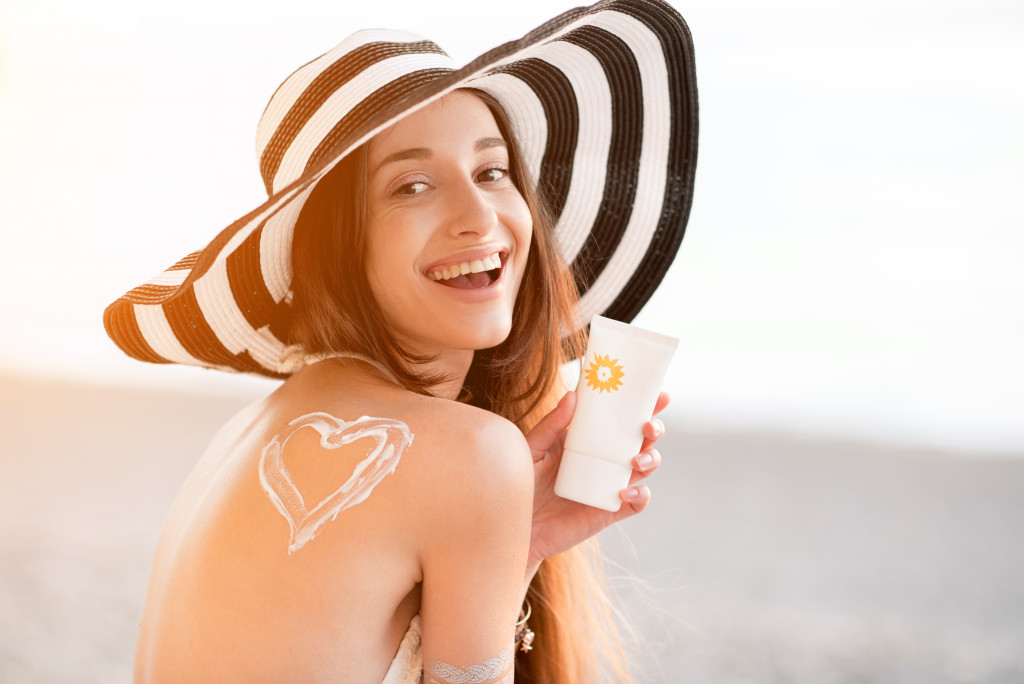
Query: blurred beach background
{"points": [[842, 495]]}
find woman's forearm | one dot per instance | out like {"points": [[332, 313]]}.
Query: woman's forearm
{"points": [[531, 570]]}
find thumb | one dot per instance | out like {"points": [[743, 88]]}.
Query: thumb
{"points": [[544, 433]]}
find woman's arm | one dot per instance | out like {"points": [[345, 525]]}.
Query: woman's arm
{"points": [[474, 555]]}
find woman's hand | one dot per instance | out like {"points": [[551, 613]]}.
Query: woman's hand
{"points": [[560, 524]]}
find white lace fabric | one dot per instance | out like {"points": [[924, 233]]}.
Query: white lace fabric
{"points": [[407, 667]]}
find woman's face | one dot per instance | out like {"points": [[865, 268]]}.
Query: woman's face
{"points": [[448, 232]]}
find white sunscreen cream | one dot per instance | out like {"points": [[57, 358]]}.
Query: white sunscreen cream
{"points": [[390, 438], [620, 379]]}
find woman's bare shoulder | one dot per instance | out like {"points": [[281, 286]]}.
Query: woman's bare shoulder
{"points": [[457, 439], [473, 474], [448, 449], [466, 425], [450, 444]]}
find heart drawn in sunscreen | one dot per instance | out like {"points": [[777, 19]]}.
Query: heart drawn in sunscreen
{"points": [[391, 437]]}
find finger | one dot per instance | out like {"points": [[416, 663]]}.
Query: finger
{"points": [[634, 500], [653, 430], [544, 434], [645, 463], [663, 401]]}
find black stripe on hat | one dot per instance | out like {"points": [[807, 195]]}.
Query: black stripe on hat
{"points": [[558, 100], [387, 97], [249, 290], [677, 44], [348, 66], [123, 328], [186, 320], [245, 277], [281, 321], [623, 167]]}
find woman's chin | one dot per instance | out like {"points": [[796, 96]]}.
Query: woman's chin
{"points": [[479, 336], [484, 339]]}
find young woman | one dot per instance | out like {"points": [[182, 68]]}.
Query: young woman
{"points": [[387, 514]]}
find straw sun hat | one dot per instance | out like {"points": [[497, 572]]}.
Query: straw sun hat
{"points": [[602, 100]]}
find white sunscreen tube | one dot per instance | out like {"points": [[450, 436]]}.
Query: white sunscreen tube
{"points": [[621, 376]]}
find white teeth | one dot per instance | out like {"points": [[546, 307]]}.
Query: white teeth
{"points": [[477, 266]]}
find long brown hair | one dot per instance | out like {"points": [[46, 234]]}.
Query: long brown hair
{"points": [[335, 311]]}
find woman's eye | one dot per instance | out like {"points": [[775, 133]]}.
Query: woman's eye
{"points": [[492, 174], [414, 188]]}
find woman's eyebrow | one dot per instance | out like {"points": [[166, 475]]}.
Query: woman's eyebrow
{"points": [[488, 143], [411, 153], [425, 153]]}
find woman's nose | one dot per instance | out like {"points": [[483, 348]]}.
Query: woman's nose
{"points": [[471, 211]]}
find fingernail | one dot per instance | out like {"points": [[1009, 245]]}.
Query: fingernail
{"points": [[644, 461], [630, 494], [659, 427]]}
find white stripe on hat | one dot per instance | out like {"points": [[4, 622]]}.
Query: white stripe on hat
{"points": [[343, 100], [170, 277], [157, 333], [213, 293], [267, 350], [276, 245], [293, 88], [651, 178]]}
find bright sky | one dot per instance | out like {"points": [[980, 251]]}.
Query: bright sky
{"points": [[852, 263]]}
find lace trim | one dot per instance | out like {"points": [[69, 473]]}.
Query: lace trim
{"points": [[500, 666]]}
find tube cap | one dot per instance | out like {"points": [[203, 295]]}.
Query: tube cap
{"points": [[591, 481]]}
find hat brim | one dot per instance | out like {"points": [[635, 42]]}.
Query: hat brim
{"points": [[603, 101]]}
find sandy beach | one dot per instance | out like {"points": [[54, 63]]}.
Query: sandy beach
{"points": [[762, 558]]}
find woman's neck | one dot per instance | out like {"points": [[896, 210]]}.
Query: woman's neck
{"points": [[453, 364]]}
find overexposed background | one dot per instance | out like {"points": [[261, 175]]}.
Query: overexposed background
{"points": [[849, 390], [852, 259]]}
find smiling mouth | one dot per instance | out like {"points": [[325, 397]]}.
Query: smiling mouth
{"points": [[469, 275]]}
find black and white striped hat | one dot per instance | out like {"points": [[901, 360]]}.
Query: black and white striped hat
{"points": [[602, 100]]}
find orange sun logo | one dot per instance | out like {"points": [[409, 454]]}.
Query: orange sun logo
{"points": [[604, 374]]}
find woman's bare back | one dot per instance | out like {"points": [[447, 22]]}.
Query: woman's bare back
{"points": [[236, 594]]}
